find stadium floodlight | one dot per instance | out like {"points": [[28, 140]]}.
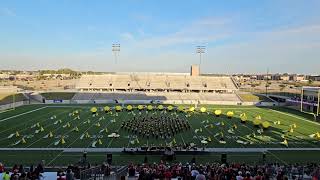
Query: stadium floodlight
{"points": [[200, 50], [116, 51], [267, 82]]}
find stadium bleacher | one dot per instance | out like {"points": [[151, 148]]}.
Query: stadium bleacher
{"points": [[155, 96], [155, 82], [172, 88]]}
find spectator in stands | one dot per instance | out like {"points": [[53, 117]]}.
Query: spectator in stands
{"points": [[14, 176], [6, 176], [105, 168], [60, 175], [194, 172], [167, 174], [200, 176], [1, 168], [239, 176], [69, 175], [132, 170], [15, 168], [40, 168], [21, 169], [23, 176], [259, 175], [316, 174]]}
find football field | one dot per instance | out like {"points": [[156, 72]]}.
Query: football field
{"points": [[58, 127], [77, 127]]}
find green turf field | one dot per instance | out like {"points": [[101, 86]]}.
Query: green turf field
{"points": [[58, 158], [31, 126], [27, 122]]}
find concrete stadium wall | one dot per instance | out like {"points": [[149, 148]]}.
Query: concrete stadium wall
{"points": [[56, 102], [163, 102], [148, 102], [11, 105]]}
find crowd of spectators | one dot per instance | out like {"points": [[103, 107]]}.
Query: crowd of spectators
{"points": [[71, 172], [188, 171], [217, 171], [19, 172]]}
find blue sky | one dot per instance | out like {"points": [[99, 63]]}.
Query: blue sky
{"points": [[243, 36]]}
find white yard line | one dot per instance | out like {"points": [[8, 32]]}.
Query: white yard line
{"points": [[49, 124], [7, 110], [22, 124], [79, 124], [303, 119], [70, 143], [182, 139], [27, 128], [21, 114]]}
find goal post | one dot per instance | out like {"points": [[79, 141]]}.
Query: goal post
{"points": [[310, 100]]}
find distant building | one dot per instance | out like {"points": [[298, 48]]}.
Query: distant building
{"points": [[300, 78], [195, 70], [275, 77], [285, 77], [264, 77], [315, 78], [253, 77]]}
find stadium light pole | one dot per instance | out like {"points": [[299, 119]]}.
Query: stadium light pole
{"points": [[200, 50], [116, 51], [267, 82]]}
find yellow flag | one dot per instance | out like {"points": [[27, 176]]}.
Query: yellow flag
{"points": [[291, 130], [294, 125], [285, 142], [63, 141], [87, 135], [209, 139]]}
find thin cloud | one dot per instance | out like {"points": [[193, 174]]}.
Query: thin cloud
{"points": [[274, 49], [199, 31]]}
